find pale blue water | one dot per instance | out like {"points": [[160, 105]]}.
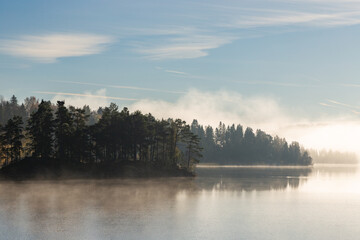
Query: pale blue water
{"points": [[221, 203]]}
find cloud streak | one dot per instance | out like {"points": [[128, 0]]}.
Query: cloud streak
{"points": [[123, 87], [221, 24], [280, 84], [297, 18], [281, 13], [182, 74], [349, 85], [342, 106], [48, 48], [175, 72], [87, 95], [183, 46]]}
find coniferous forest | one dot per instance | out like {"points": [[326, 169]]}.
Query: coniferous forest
{"points": [[232, 145], [42, 131], [65, 135]]}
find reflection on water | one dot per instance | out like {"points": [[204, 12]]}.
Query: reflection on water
{"points": [[221, 203], [335, 170], [251, 178]]}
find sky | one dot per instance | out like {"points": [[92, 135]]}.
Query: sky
{"points": [[288, 67]]}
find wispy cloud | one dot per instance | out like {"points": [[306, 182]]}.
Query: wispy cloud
{"points": [[312, 13], [175, 72], [87, 95], [297, 18], [221, 24], [349, 85], [327, 105], [182, 74], [123, 87], [183, 46], [81, 100], [48, 48], [342, 106], [280, 84]]}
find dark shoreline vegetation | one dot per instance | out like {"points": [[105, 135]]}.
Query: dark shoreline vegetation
{"points": [[43, 140]]}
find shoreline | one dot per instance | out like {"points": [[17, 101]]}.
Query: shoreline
{"points": [[52, 169], [206, 165]]}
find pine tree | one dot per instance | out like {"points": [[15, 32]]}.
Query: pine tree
{"points": [[63, 131], [41, 131], [11, 139], [192, 142]]}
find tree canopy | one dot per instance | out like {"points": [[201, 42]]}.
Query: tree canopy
{"points": [[231, 145], [64, 133], [109, 135]]}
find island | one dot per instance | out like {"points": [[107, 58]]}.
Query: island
{"points": [[41, 140], [59, 142]]}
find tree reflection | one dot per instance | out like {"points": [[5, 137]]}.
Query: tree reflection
{"points": [[251, 178]]}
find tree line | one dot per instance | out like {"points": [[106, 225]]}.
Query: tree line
{"points": [[330, 156], [65, 134], [44, 130], [234, 145], [11, 108]]}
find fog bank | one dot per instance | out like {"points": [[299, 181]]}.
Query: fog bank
{"points": [[266, 113]]}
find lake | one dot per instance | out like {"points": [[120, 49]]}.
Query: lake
{"points": [[322, 202]]}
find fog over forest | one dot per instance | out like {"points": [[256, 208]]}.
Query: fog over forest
{"points": [[267, 113], [220, 134], [193, 119]]}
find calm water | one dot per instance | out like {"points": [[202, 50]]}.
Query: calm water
{"points": [[221, 203]]}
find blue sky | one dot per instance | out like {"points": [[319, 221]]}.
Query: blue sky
{"points": [[304, 55]]}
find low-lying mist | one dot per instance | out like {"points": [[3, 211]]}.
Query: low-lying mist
{"points": [[266, 113]]}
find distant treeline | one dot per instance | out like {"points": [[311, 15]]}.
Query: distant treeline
{"points": [[11, 108], [44, 131], [233, 145], [329, 156]]}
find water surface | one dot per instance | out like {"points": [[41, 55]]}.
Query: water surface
{"points": [[322, 202]]}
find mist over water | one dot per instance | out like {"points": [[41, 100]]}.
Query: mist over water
{"points": [[220, 203]]}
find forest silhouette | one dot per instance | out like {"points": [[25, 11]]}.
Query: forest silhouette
{"points": [[42, 133]]}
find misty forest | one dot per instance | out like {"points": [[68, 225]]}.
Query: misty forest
{"points": [[42, 130]]}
